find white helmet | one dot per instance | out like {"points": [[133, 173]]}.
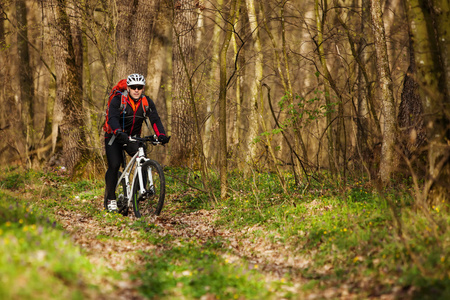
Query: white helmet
{"points": [[135, 79]]}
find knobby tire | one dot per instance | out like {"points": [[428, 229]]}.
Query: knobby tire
{"points": [[151, 203], [122, 203]]}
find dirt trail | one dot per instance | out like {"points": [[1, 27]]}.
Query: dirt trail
{"points": [[117, 246]]}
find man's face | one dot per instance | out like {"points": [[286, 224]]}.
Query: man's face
{"points": [[135, 91]]}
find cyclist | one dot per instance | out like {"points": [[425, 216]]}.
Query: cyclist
{"points": [[124, 120]]}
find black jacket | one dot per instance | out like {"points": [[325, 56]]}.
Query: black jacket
{"points": [[129, 120]]}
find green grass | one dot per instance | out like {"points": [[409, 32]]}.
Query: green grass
{"points": [[374, 242], [193, 269], [39, 260], [352, 229]]}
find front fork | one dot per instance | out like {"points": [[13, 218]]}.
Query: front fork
{"points": [[142, 190], [128, 186], [142, 160]]}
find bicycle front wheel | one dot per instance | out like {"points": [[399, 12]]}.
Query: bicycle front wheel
{"points": [[152, 200]]}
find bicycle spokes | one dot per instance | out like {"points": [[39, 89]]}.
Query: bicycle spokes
{"points": [[151, 200]]}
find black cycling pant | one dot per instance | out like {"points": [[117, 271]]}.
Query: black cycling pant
{"points": [[115, 156]]}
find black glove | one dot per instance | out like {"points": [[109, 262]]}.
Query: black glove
{"points": [[121, 137], [163, 139]]}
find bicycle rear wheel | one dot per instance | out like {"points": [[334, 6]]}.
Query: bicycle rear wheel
{"points": [[151, 202], [122, 202]]}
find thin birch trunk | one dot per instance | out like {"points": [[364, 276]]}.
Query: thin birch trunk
{"points": [[268, 141], [386, 93], [236, 135], [239, 51], [223, 103], [255, 85], [320, 22], [208, 140], [200, 23]]}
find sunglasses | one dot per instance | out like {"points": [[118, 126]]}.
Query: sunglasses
{"points": [[133, 87]]}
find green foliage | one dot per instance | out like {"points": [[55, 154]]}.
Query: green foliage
{"points": [[301, 112], [345, 234], [13, 182], [353, 230], [17, 178], [184, 189], [38, 261], [194, 269]]}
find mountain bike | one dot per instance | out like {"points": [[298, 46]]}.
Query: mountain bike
{"points": [[145, 190]]}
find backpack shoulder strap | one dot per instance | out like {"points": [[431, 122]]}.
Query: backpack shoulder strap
{"points": [[146, 109], [145, 105], [123, 102]]}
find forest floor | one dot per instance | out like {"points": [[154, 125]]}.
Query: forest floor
{"points": [[57, 242], [117, 247]]}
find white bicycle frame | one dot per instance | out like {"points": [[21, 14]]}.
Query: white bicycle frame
{"points": [[140, 159]]}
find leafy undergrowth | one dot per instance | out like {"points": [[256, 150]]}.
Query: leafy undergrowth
{"points": [[369, 243], [320, 241], [176, 255], [39, 260]]}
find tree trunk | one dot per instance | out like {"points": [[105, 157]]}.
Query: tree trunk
{"points": [[68, 93], [386, 93], [183, 56], [139, 40], [364, 89], [9, 154], [255, 85], [320, 22], [186, 125], [223, 103], [410, 114], [158, 53], [88, 102], [42, 80], [239, 51], [125, 12], [440, 13], [25, 76], [431, 79], [209, 141]]}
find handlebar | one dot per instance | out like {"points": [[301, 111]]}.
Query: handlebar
{"points": [[151, 138]]}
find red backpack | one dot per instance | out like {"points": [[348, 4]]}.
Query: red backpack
{"points": [[120, 89]]}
